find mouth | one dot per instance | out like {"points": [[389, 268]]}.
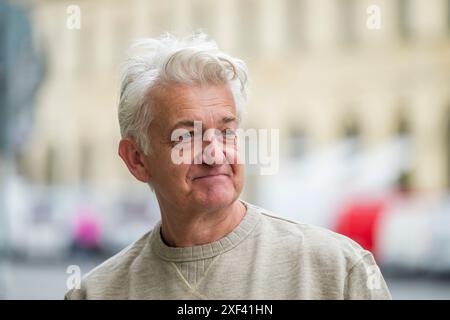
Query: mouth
{"points": [[212, 176]]}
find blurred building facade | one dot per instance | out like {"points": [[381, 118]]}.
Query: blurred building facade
{"points": [[318, 74]]}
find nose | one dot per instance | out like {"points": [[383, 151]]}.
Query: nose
{"points": [[213, 151]]}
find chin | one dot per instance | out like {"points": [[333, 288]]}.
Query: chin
{"points": [[216, 197]]}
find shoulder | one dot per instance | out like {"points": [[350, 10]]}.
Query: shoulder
{"points": [[334, 265], [111, 273], [318, 244]]}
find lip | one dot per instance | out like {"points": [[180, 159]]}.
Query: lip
{"points": [[211, 176]]}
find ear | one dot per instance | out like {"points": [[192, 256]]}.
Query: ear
{"points": [[134, 158]]}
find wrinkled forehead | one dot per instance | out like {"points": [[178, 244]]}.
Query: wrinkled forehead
{"points": [[206, 103]]}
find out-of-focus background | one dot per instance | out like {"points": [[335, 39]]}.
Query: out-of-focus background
{"points": [[359, 89]]}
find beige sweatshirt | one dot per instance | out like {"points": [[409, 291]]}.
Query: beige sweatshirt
{"points": [[264, 257]]}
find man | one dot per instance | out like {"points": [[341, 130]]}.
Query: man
{"points": [[210, 244]]}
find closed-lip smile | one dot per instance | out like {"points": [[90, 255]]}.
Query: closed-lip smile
{"points": [[211, 175]]}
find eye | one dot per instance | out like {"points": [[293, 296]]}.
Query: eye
{"points": [[229, 134], [187, 136]]}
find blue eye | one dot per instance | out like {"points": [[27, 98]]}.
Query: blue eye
{"points": [[230, 133], [187, 135]]}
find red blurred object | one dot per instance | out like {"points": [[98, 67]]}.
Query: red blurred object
{"points": [[359, 221]]}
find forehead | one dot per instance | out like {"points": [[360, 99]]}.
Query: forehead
{"points": [[196, 102]]}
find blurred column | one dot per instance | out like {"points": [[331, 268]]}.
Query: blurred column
{"points": [[322, 24], [140, 18], [378, 118], [103, 38], [61, 106], [66, 49], [248, 24], [429, 127], [225, 13], [181, 16], [36, 152], [429, 19], [295, 21], [202, 15], [67, 107], [271, 32], [324, 121]]}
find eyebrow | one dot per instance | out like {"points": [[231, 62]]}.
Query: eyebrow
{"points": [[183, 123], [190, 123], [228, 119]]}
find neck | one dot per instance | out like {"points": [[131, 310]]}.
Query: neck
{"points": [[187, 229]]}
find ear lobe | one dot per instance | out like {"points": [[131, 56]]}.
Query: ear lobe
{"points": [[134, 159]]}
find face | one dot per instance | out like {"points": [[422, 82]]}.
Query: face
{"points": [[204, 182]]}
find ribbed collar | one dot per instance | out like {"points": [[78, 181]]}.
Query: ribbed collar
{"points": [[209, 250]]}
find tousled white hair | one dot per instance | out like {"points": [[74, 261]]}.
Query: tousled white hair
{"points": [[168, 60]]}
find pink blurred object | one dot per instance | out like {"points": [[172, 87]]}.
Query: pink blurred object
{"points": [[87, 228]]}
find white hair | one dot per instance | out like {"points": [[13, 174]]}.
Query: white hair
{"points": [[167, 60]]}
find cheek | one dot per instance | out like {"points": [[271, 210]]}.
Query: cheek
{"points": [[167, 172], [235, 161], [178, 173], [171, 181], [238, 175], [232, 155]]}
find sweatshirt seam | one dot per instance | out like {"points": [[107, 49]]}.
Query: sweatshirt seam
{"points": [[350, 271], [275, 217], [207, 271], [193, 290]]}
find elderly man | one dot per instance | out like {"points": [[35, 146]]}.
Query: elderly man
{"points": [[210, 244]]}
